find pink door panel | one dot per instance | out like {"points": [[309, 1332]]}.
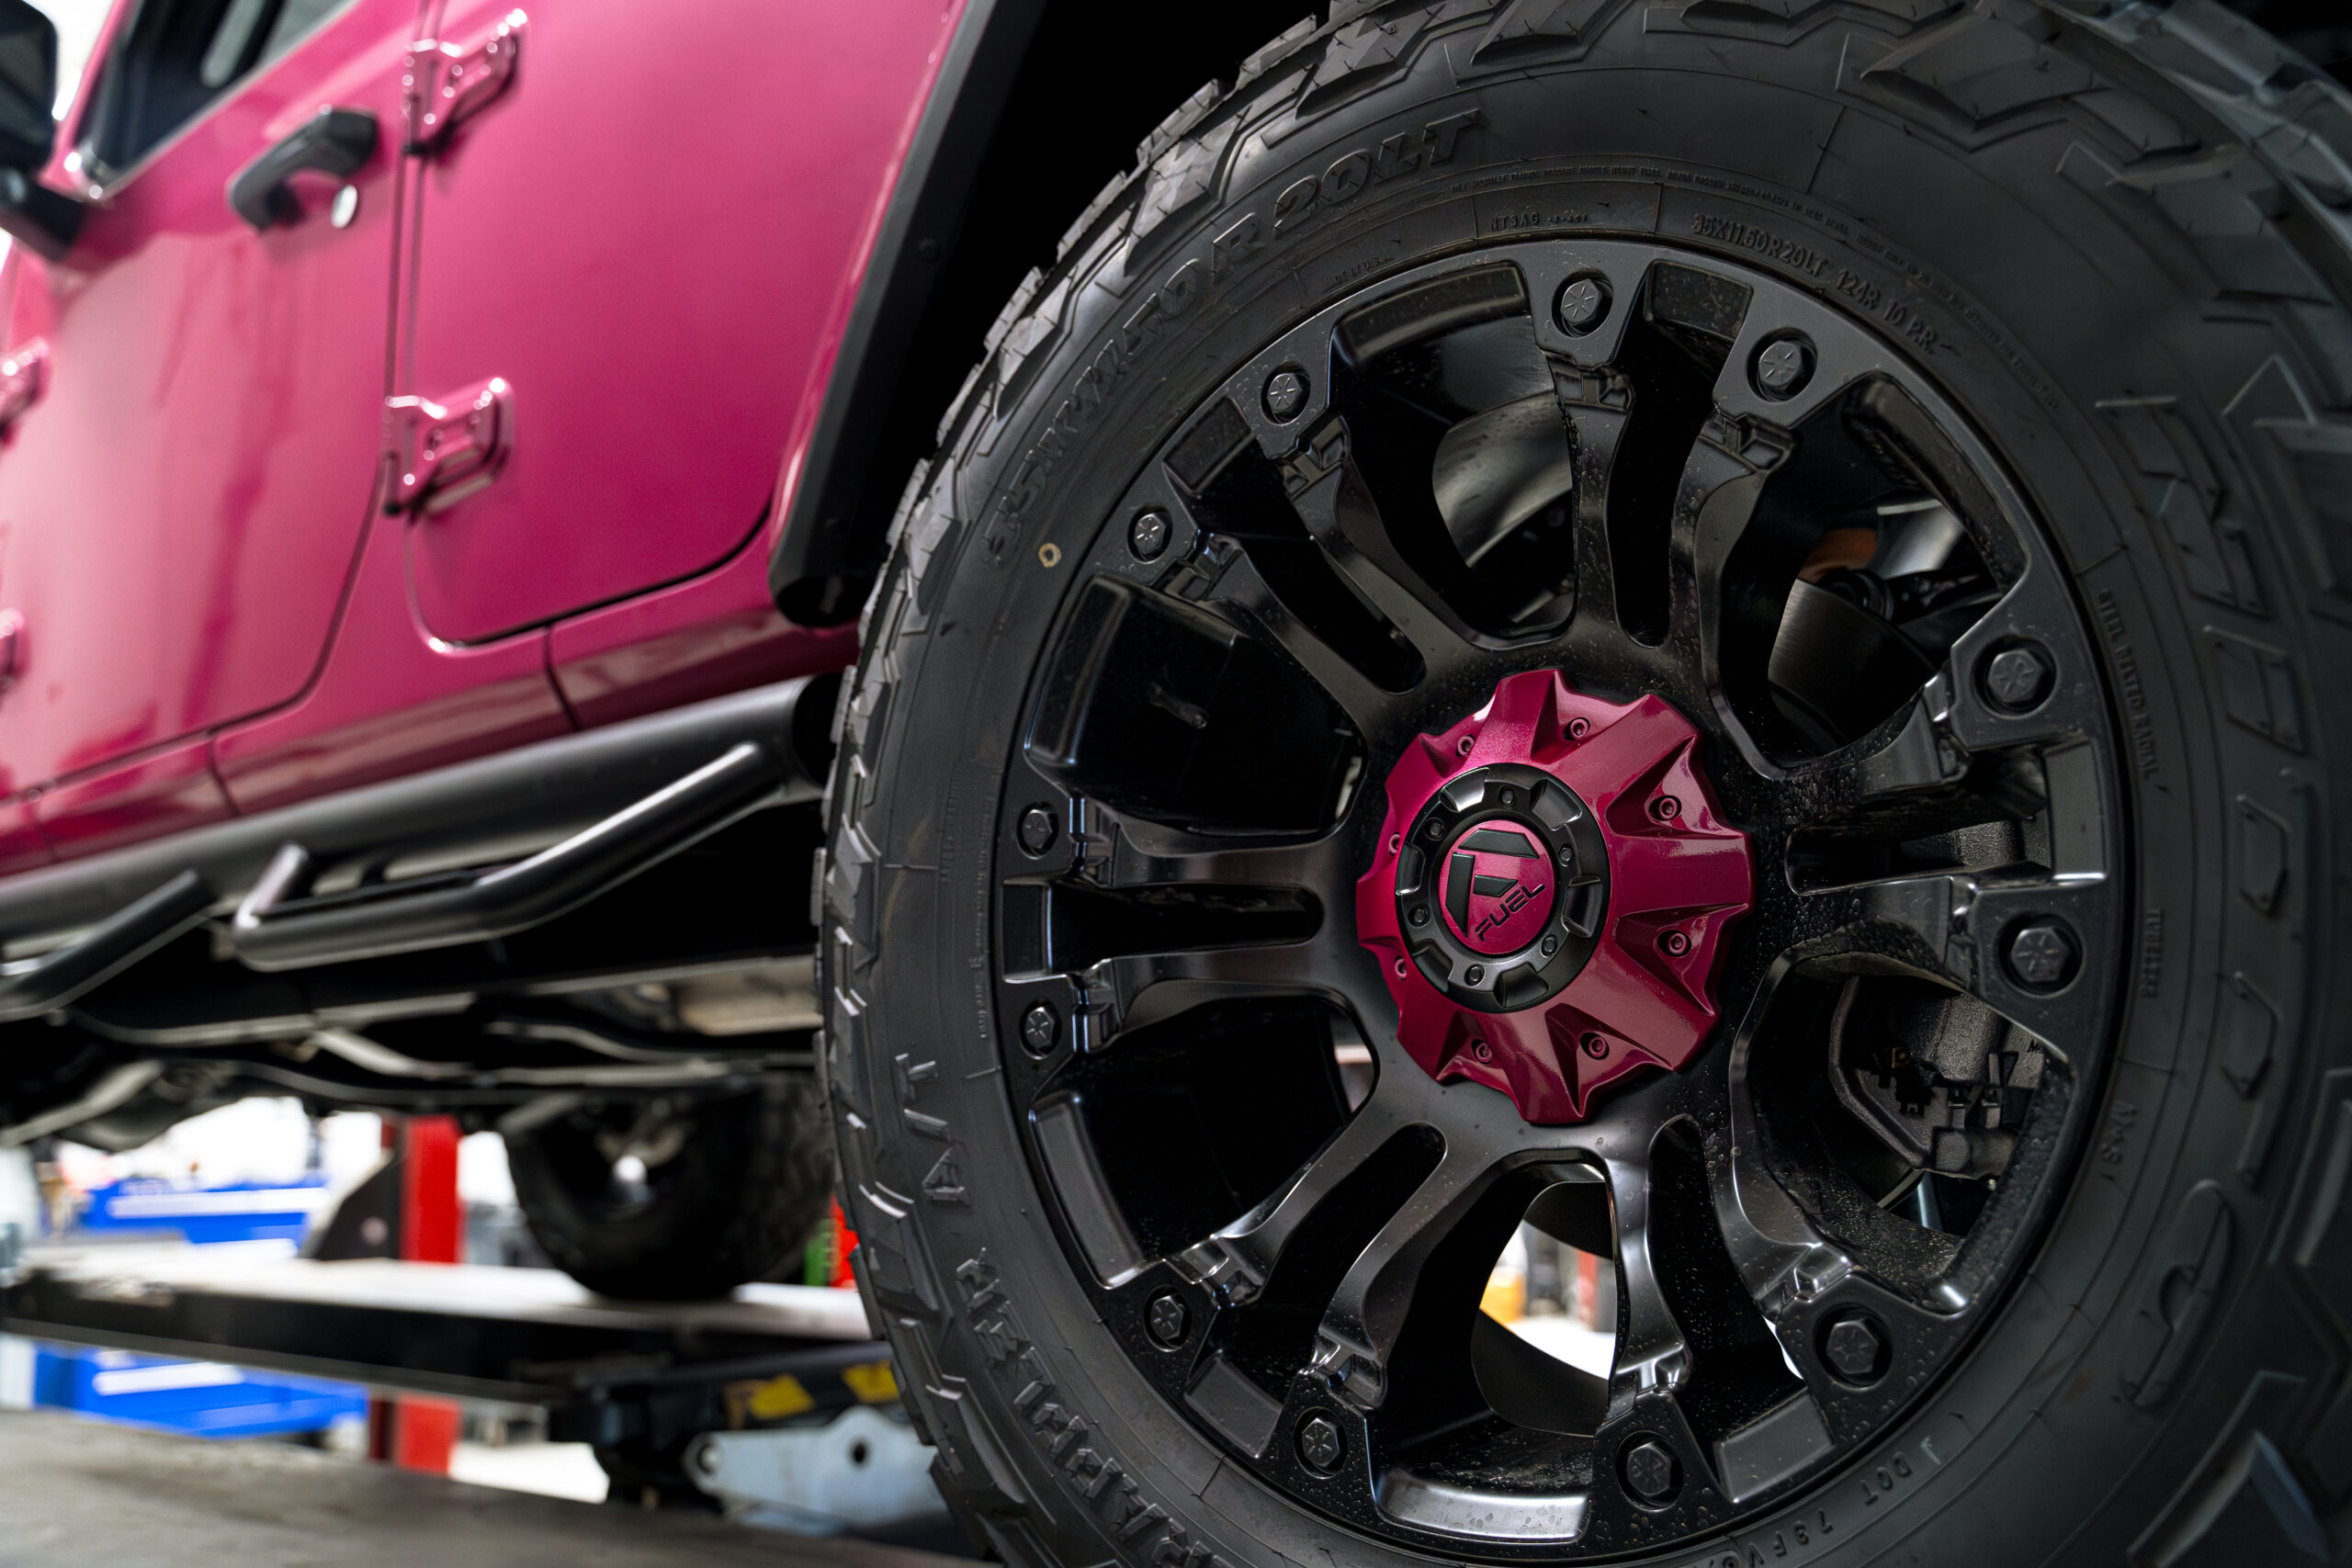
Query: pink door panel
{"points": [[720, 633], [389, 702], [181, 504], [173, 789], [648, 235]]}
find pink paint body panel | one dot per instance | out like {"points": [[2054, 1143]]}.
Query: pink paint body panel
{"points": [[180, 507], [718, 633], [23, 846], [389, 702], [653, 234], [645, 236], [159, 792]]}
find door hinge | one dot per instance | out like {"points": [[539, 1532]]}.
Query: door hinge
{"points": [[448, 450], [447, 81], [24, 376]]}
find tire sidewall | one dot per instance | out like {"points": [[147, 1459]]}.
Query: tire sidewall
{"points": [[2033, 1414]]}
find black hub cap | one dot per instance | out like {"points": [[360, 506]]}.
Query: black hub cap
{"points": [[1659, 473], [1505, 864]]}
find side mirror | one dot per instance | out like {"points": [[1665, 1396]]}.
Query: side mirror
{"points": [[40, 216]]}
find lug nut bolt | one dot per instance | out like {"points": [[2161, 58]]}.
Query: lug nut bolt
{"points": [[1594, 1046], [2018, 678], [1856, 1348], [1464, 749], [1675, 943], [1481, 1050], [1650, 1471], [1578, 729], [1166, 1319], [1040, 1027], [1037, 829], [1784, 366], [1318, 1443], [2042, 953], [1665, 808], [1286, 393], [1583, 303], [1148, 536]]}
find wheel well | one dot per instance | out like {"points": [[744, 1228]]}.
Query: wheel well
{"points": [[1062, 111]]}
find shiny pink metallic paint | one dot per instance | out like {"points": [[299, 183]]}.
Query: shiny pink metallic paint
{"points": [[182, 503], [159, 792], [718, 633], [1632, 1005], [389, 696], [389, 702], [646, 236], [22, 844]]}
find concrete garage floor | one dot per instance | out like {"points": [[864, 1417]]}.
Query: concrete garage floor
{"points": [[73, 1493]]}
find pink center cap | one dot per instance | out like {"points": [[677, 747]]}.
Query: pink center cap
{"points": [[1498, 888]]}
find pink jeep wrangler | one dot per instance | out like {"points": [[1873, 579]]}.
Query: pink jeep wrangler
{"points": [[1685, 662]]}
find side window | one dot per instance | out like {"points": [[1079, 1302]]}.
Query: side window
{"points": [[77, 23], [175, 59]]}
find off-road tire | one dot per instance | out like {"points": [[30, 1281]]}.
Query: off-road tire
{"points": [[2116, 234], [736, 1203]]}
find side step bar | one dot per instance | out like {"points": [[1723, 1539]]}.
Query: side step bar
{"points": [[277, 928], [31, 986], [619, 798]]}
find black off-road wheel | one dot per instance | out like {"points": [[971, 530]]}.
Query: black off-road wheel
{"points": [[675, 1197], [1717, 629]]}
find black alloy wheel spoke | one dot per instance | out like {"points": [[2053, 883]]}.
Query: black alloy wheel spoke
{"points": [[1237, 1261], [1169, 919], [1358, 1335], [1343, 515], [1383, 717]]}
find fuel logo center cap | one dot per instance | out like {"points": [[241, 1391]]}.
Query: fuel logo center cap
{"points": [[1497, 888], [1550, 895], [1500, 887]]}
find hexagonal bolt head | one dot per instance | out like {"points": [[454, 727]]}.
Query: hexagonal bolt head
{"points": [[1165, 1320], [1285, 394], [1649, 1471], [1318, 1443], [1784, 366], [2018, 678], [1040, 1028], [1583, 303], [1148, 536], [1038, 830], [1856, 1348], [2042, 955]]}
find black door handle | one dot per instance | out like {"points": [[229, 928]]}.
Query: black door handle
{"points": [[334, 142]]}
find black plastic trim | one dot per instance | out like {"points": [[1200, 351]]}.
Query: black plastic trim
{"points": [[918, 232]]}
